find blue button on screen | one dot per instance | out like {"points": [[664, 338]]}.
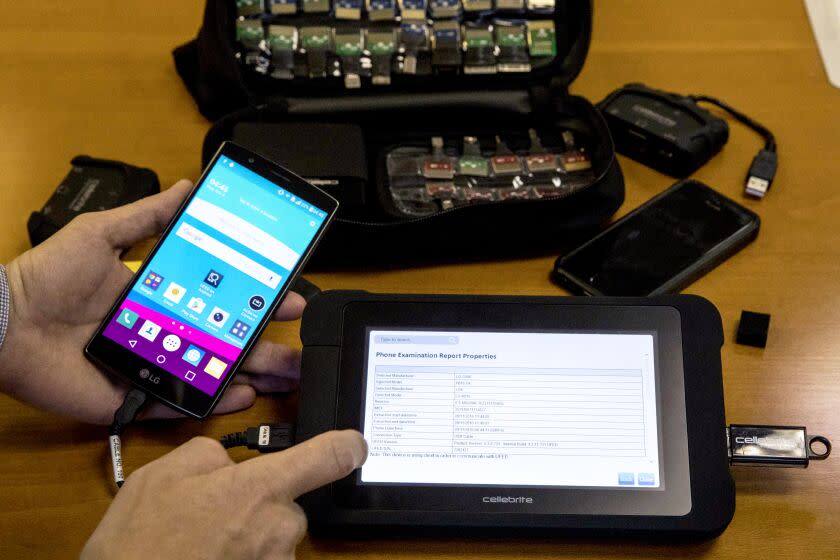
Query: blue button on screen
{"points": [[646, 479], [626, 479]]}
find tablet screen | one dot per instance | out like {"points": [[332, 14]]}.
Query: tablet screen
{"points": [[511, 409]]}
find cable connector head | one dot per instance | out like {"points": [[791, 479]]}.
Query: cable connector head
{"points": [[125, 414], [266, 438], [761, 173]]}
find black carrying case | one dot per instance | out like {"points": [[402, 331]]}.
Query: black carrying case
{"points": [[411, 110]]}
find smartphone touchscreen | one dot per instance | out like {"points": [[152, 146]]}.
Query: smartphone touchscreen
{"points": [[210, 286], [662, 246]]}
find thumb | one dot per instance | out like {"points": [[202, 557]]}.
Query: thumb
{"points": [[128, 225]]}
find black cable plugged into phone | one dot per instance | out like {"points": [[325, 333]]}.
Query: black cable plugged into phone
{"points": [[124, 415], [673, 134]]}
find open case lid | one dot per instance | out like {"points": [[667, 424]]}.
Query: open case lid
{"points": [[220, 84]]}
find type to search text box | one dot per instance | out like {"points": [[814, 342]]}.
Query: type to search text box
{"points": [[230, 256], [243, 232], [415, 339]]}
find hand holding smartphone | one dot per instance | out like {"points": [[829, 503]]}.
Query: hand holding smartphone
{"points": [[662, 246], [188, 319]]}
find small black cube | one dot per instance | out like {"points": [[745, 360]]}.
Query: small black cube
{"points": [[752, 330]]}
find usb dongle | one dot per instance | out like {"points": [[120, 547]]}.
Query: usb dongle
{"points": [[781, 446]]}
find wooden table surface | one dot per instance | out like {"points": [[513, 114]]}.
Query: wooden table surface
{"points": [[97, 78]]}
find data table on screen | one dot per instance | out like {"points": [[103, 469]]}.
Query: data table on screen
{"points": [[457, 422]]}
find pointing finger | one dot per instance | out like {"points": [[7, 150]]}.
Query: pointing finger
{"points": [[309, 465]]}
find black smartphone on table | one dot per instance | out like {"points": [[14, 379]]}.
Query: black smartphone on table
{"points": [[187, 320], [662, 246]]}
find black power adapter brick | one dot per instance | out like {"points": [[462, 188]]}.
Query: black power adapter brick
{"points": [[92, 184], [673, 134], [662, 130]]}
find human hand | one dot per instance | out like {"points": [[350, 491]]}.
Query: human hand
{"points": [[62, 289], [196, 503]]}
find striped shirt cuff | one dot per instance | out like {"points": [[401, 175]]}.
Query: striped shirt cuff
{"points": [[5, 301]]}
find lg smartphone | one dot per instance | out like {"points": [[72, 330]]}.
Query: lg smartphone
{"points": [[662, 246], [187, 320]]}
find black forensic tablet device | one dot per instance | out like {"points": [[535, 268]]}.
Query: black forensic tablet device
{"points": [[519, 415]]}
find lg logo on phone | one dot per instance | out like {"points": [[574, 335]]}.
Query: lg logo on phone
{"points": [[146, 374]]}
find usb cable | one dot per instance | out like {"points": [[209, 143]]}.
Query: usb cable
{"points": [[265, 438], [125, 415], [765, 163]]}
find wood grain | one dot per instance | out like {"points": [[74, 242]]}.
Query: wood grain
{"points": [[97, 78]]}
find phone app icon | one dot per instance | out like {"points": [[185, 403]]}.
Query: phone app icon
{"points": [[149, 331], [213, 278], [240, 330], [218, 317], [193, 355], [256, 303], [196, 305], [127, 318], [171, 343], [215, 367], [174, 292], [153, 280]]}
